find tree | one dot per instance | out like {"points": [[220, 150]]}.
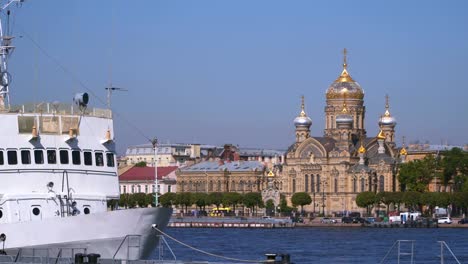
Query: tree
{"points": [[366, 200], [232, 199], [141, 164], [184, 199], [412, 200], [455, 167], [141, 199], [417, 174], [253, 200], [215, 198], [386, 198], [284, 208], [301, 198], [168, 199], [200, 200]]}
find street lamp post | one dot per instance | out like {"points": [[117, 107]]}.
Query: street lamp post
{"points": [[323, 183], [156, 189], [314, 202]]}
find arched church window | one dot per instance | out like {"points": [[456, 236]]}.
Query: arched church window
{"points": [[219, 186], [354, 185], [241, 186], [362, 185], [381, 183], [190, 186], [306, 183], [294, 185], [336, 185], [210, 186], [233, 186]]}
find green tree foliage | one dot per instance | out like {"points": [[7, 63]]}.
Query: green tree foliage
{"points": [[200, 200], [168, 199], [232, 199], [185, 200], [301, 199], [412, 200], [386, 198], [140, 164], [366, 200], [215, 198], [455, 168], [253, 200], [141, 199], [284, 208], [417, 174]]}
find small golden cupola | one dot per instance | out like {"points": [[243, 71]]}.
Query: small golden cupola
{"points": [[345, 84], [361, 149], [403, 151], [381, 135]]}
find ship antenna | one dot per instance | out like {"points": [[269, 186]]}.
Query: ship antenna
{"points": [[109, 93], [5, 50]]}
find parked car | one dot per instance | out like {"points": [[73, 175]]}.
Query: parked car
{"points": [[444, 220], [463, 221], [347, 220], [327, 220], [360, 220]]}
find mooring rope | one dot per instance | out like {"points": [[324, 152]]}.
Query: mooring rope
{"points": [[205, 252]]}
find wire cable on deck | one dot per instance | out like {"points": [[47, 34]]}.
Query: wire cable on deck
{"points": [[205, 252]]}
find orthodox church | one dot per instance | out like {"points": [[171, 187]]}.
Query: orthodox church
{"points": [[345, 161]]}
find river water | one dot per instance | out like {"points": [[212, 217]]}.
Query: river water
{"points": [[320, 244]]}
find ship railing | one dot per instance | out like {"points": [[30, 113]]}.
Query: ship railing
{"points": [[403, 254], [133, 242], [58, 109], [42, 255], [162, 245], [442, 246]]}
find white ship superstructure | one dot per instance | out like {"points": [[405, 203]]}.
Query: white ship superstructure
{"points": [[58, 171], [55, 163]]}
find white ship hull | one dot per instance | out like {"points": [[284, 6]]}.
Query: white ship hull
{"points": [[103, 233]]}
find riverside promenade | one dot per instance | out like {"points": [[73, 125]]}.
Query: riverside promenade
{"points": [[250, 222]]}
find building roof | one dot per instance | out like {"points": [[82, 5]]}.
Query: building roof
{"points": [[255, 152], [145, 173], [220, 166]]}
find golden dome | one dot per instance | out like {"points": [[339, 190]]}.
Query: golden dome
{"points": [[381, 135], [345, 84], [362, 149], [403, 151]]}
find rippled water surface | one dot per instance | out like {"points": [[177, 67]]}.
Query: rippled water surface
{"points": [[320, 245]]}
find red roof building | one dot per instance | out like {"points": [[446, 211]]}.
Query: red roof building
{"points": [[141, 180]]}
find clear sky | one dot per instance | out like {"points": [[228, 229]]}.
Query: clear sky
{"points": [[217, 72]]}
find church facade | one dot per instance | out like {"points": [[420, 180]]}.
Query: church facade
{"points": [[345, 161]]}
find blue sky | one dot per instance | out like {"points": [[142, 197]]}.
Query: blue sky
{"points": [[219, 72]]}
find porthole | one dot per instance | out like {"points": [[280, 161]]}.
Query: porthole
{"points": [[1, 213], [86, 210], [36, 211]]}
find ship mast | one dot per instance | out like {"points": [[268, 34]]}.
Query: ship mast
{"points": [[5, 50]]}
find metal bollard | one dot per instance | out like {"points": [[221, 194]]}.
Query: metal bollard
{"points": [[270, 258], [79, 258], [93, 258], [285, 259]]}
